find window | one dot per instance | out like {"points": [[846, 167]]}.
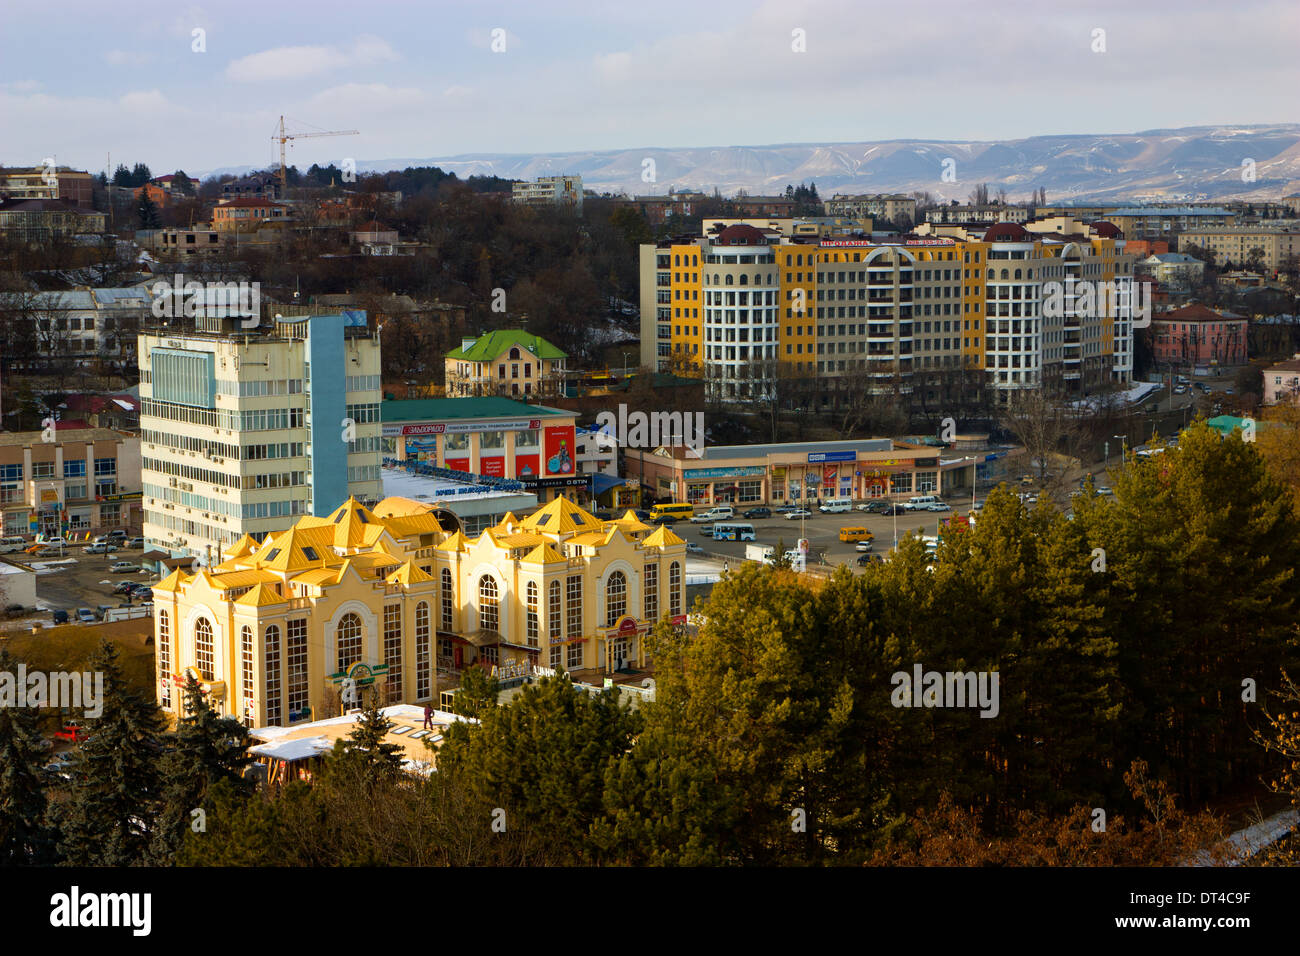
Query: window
{"points": [[203, 655], [574, 657], [74, 469], [615, 598], [573, 598], [348, 639], [488, 616], [296, 658], [422, 687], [42, 469], [105, 466], [447, 600], [273, 713], [246, 662], [651, 591], [674, 589], [530, 601], [393, 650], [165, 657]]}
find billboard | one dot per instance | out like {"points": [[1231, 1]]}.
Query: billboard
{"points": [[458, 464], [527, 466], [494, 466], [423, 450], [559, 451]]}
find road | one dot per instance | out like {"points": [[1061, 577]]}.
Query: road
{"points": [[79, 580]]}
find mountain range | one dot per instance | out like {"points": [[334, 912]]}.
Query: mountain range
{"points": [[1188, 164]]}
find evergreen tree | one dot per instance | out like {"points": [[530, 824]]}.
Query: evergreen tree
{"points": [[109, 818], [205, 749], [365, 751], [477, 694], [24, 836], [122, 176], [140, 174], [147, 212]]}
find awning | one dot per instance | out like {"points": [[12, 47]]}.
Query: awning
{"points": [[601, 483], [174, 563], [482, 638]]}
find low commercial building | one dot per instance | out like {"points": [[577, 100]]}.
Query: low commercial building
{"points": [[490, 437], [43, 220], [803, 473], [550, 190], [77, 480], [1175, 270], [388, 598]]}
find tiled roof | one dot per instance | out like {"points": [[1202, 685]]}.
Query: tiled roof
{"points": [[488, 347]]}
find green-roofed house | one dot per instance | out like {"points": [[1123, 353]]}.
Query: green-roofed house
{"points": [[1225, 424], [506, 362]]}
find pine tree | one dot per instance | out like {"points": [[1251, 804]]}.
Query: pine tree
{"points": [[206, 749], [109, 818], [477, 694], [24, 836], [365, 751], [147, 211]]}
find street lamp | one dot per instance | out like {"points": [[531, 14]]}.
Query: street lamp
{"points": [[1123, 445]]}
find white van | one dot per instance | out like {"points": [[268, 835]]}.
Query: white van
{"points": [[12, 544], [717, 513], [921, 502], [836, 505]]}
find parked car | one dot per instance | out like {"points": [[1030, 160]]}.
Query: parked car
{"points": [[758, 513], [132, 544], [59, 616], [61, 767], [115, 536], [864, 545], [693, 547], [786, 509], [874, 507], [15, 610], [124, 567], [124, 587], [1104, 490], [86, 616], [664, 519], [798, 513], [940, 506], [1180, 390], [865, 559], [100, 549], [1228, 390]]}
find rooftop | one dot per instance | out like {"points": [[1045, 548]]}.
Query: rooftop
{"points": [[488, 347], [453, 409], [10, 439]]}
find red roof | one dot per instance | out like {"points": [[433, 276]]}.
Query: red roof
{"points": [[1195, 312], [1106, 230], [1006, 232], [741, 234]]}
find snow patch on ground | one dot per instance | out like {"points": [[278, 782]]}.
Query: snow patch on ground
{"points": [[1127, 397]]}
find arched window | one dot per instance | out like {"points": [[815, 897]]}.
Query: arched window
{"points": [[422, 671], [393, 651], [514, 353], [165, 657], [488, 619], [1017, 273], [203, 648], [1006, 274], [246, 662], [554, 621], [530, 599], [731, 280], [273, 697], [615, 598], [448, 599], [348, 638], [674, 589]]}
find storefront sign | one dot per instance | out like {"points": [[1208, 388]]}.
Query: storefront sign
{"points": [[695, 474], [819, 456], [527, 466], [455, 428], [559, 451], [494, 467], [573, 481]]}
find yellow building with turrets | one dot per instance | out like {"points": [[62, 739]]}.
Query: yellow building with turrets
{"points": [[388, 598]]}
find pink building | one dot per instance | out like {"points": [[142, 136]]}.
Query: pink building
{"points": [[1197, 335], [1282, 382]]}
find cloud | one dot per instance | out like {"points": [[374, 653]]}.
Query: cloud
{"points": [[21, 86], [144, 101], [296, 62], [362, 99]]}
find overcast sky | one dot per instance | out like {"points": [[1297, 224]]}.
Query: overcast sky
{"points": [[420, 78]]}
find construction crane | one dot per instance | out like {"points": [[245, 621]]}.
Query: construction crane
{"points": [[284, 137]]}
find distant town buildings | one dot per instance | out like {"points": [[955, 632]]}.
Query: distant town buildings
{"points": [[74, 187], [247, 214], [1235, 244], [1282, 382], [992, 212], [45, 220], [550, 190], [1175, 270], [892, 207]]}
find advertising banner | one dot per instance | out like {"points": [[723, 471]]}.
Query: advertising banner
{"points": [[458, 464], [423, 450], [821, 456], [559, 451], [527, 466], [454, 428], [494, 466], [828, 475]]}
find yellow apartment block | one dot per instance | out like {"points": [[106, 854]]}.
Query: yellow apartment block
{"points": [[280, 632]]}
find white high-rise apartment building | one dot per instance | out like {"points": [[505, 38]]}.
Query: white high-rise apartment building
{"points": [[245, 430]]}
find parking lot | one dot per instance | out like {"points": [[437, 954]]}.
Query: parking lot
{"points": [[823, 530], [78, 580]]}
